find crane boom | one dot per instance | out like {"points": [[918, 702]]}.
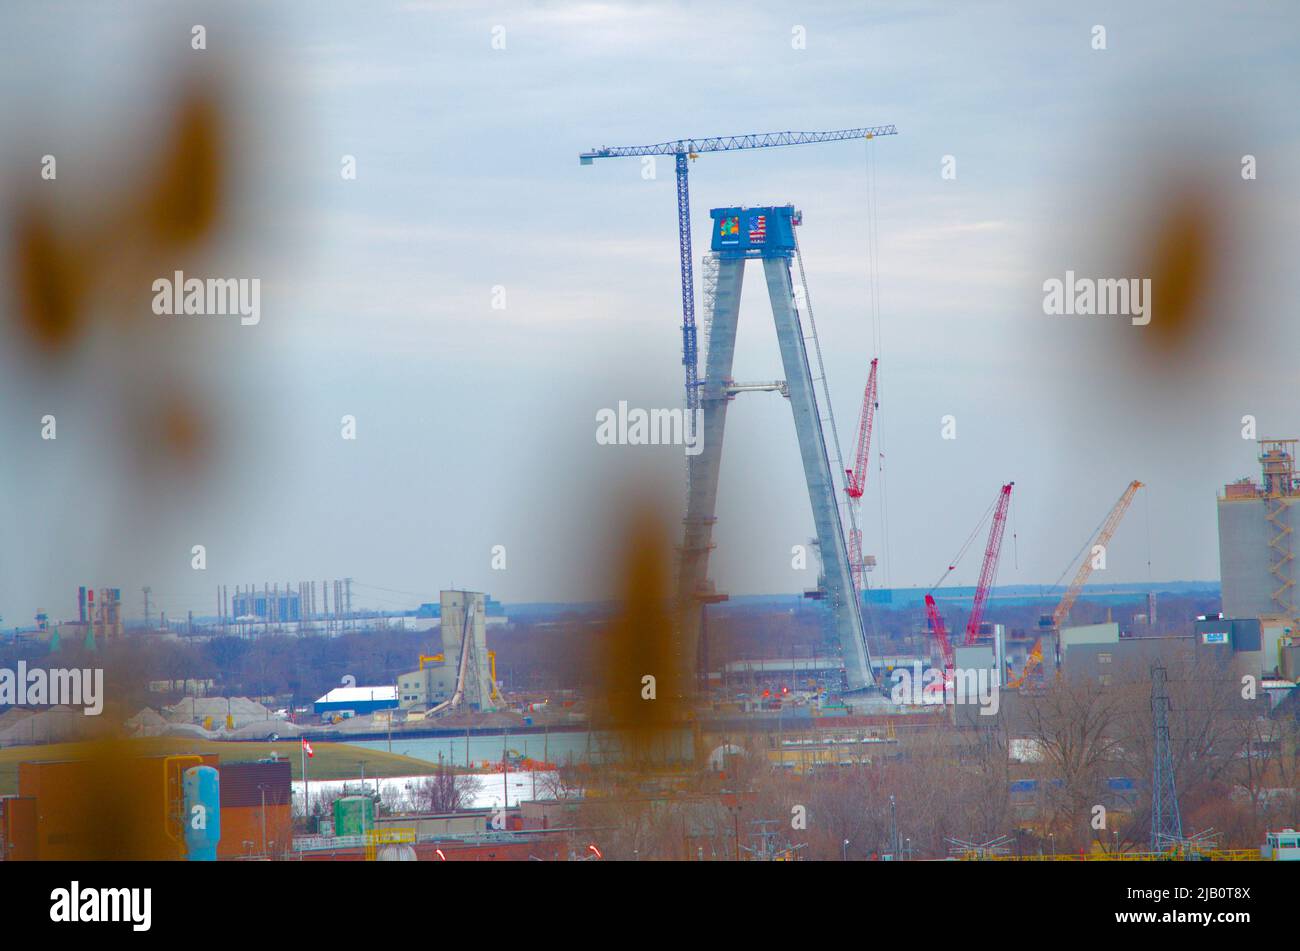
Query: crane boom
{"points": [[940, 632], [732, 143], [989, 570], [857, 476], [1103, 539], [1080, 579]]}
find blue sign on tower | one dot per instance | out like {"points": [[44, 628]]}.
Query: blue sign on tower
{"points": [[766, 232]]}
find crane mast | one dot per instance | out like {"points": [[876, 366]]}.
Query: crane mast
{"points": [[989, 569]]}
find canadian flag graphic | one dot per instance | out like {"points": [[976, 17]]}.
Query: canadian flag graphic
{"points": [[307, 748]]}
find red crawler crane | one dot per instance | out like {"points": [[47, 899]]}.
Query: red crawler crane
{"points": [[990, 568], [940, 635], [857, 481], [857, 476]]}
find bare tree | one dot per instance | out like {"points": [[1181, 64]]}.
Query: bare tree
{"points": [[564, 782], [984, 782], [1285, 811], [445, 791], [1074, 725], [1208, 733]]}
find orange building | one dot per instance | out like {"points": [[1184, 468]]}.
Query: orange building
{"points": [[115, 805], [256, 817], [111, 805]]}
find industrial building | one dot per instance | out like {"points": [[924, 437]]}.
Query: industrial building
{"points": [[291, 608], [268, 605], [1257, 523], [1098, 651], [356, 700], [1105, 663], [1239, 639], [462, 672], [256, 809], [98, 621]]}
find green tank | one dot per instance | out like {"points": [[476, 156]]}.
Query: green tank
{"points": [[353, 815]]}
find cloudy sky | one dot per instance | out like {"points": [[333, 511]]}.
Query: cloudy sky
{"points": [[475, 425]]}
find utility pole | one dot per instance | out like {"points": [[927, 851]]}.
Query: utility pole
{"points": [[893, 828], [262, 788], [736, 816], [306, 794]]}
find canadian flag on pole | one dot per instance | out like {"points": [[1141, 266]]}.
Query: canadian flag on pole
{"points": [[306, 747]]}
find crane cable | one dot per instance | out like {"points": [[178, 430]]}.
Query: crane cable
{"points": [[877, 343], [1015, 543], [1081, 550], [1146, 510], [961, 552]]}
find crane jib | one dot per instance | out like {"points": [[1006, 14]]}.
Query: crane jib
{"points": [[731, 143]]}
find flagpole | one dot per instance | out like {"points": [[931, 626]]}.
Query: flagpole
{"points": [[306, 795]]}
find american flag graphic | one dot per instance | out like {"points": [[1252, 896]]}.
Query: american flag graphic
{"points": [[758, 228]]}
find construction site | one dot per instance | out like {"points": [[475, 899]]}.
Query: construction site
{"points": [[447, 434], [845, 722]]}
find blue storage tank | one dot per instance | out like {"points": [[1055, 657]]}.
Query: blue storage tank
{"points": [[201, 787]]}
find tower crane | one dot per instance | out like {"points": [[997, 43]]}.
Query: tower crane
{"points": [[684, 149], [989, 570], [1052, 623], [856, 478]]}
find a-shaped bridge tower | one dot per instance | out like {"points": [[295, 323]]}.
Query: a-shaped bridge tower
{"points": [[766, 234]]}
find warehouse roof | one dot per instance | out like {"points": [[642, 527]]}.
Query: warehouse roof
{"points": [[358, 694]]}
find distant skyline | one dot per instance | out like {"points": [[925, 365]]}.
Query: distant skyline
{"points": [[476, 425]]}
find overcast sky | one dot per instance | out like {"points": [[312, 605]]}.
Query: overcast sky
{"points": [[476, 426]]}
